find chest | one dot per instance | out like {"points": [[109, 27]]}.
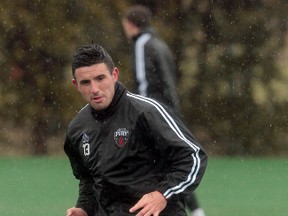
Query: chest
{"points": [[113, 143]]}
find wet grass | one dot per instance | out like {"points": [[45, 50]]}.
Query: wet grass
{"points": [[245, 186], [36, 186], [231, 186]]}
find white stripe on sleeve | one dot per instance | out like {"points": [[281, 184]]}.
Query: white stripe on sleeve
{"points": [[195, 156]]}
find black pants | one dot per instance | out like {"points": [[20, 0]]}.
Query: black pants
{"points": [[191, 202]]}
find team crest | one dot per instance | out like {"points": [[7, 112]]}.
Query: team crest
{"points": [[121, 136]]}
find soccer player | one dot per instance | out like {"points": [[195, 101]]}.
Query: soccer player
{"points": [[130, 155]]}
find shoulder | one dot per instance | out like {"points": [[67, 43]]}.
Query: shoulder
{"points": [[136, 101], [81, 118], [143, 104], [150, 110], [156, 45]]}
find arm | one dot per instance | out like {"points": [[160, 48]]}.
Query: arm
{"points": [[86, 201], [161, 74], [185, 155]]}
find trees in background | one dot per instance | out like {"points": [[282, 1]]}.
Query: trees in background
{"points": [[230, 83], [37, 39], [227, 52], [235, 45]]}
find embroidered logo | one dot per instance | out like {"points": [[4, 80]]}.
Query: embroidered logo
{"points": [[86, 145], [121, 136]]}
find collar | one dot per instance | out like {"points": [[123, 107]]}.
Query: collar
{"points": [[149, 30], [135, 38]]}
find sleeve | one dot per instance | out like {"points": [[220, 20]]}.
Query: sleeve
{"points": [[184, 153], [86, 199], [160, 71], [152, 71]]}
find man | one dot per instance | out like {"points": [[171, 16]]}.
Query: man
{"points": [[131, 156], [154, 69], [153, 65]]}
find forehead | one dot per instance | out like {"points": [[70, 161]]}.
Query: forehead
{"points": [[95, 70]]}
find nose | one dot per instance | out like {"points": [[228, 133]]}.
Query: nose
{"points": [[94, 87]]}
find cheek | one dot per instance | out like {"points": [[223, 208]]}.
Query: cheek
{"points": [[111, 92], [83, 91]]}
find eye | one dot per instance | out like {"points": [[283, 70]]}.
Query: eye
{"points": [[100, 78], [84, 82]]}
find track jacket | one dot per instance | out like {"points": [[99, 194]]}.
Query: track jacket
{"points": [[132, 148], [154, 69]]}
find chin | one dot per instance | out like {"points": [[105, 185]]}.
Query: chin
{"points": [[99, 107]]}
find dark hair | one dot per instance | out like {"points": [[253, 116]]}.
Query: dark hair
{"points": [[88, 55], [139, 15]]}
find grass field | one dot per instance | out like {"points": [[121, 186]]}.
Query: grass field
{"points": [[231, 187]]}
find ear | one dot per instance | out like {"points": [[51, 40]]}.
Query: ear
{"points": [[115, 74], [74, 82]]}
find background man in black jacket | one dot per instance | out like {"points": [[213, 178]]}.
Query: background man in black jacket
{"points": [[130, 155], [154, 69]]}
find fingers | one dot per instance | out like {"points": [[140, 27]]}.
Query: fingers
{"points": [[139, 205], [75, 212], [150, 204], [147, 213], [134, 209], [69, 212]]}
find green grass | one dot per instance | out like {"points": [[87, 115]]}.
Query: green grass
{"points": [[231, 186], [245, 186], [36, 186]]}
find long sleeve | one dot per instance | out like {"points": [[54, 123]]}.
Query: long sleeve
{"points": [[186, 156], [86, 199], [155, 71]]}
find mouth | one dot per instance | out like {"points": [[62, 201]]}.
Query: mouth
{"points": [[97, 99]]}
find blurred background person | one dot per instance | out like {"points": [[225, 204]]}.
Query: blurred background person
{"points": [[154, 69]]}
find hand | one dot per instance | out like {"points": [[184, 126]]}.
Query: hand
{"points": [[76, 212], [150, 204]]}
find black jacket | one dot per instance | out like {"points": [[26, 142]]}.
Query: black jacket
{"points": [[132, 148], [154, 69]]}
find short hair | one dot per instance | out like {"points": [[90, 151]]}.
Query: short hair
{"points": [[88, 55], [139, 15]]}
